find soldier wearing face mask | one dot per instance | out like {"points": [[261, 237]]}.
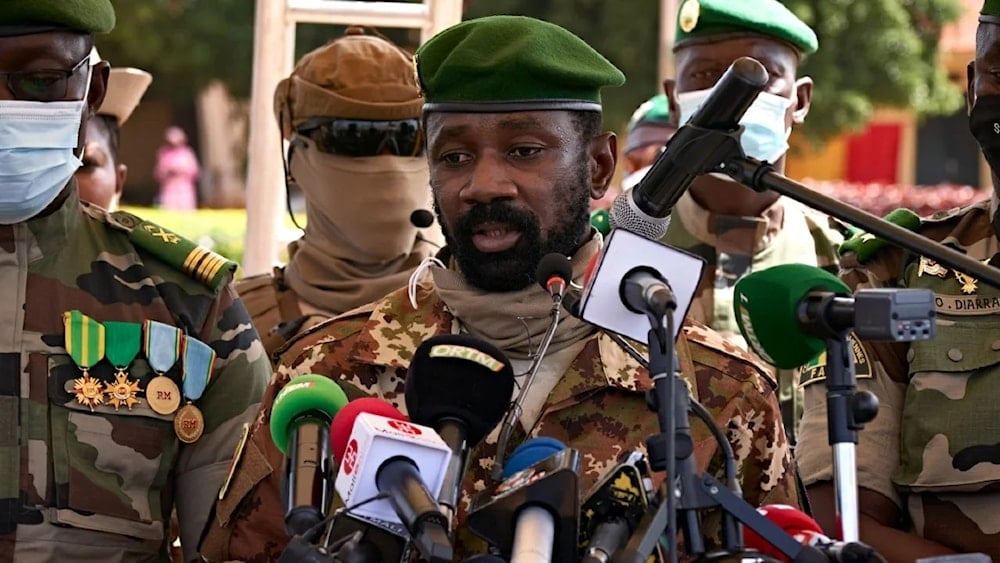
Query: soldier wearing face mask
{"points": [[928, 466], [734, 228], [351, 111], [128, 365]]}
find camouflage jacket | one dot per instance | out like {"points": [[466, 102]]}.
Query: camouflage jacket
{"points": [[933, 446], [274, 309], [597, 407], [82, 484], [732, 247]]}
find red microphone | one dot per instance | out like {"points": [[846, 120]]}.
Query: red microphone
{"points": [[343, 422], [802, 528]]}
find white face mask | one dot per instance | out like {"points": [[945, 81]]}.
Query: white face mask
{"points": [[38, 143], [764, 134]]}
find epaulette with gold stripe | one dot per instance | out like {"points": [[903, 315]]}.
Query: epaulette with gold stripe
{"points": [[200, 263]]}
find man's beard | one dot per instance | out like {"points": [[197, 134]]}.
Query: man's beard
{"points": [[514, 269]]}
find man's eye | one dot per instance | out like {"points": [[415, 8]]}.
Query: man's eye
{"points": [[525, 152], [454, 158], [40, 85]]}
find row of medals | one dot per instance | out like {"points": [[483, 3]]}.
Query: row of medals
{"points": [[161, 393]]}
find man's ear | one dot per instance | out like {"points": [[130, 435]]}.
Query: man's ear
{"points": [[121, 173], [669, 88], [98, 86], [970, 87], [603, 158], [803, 99]]}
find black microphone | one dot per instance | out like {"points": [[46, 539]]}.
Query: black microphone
{"points": [[554, 272], [613, 509], [645, 209], [532, 516], [421, 218], [644, 290], [461, 387]]}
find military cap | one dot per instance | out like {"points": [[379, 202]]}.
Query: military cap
{"points": [[706, 20], [357, 76], [990, 12], [23, 17], [650, 124], [512, 63]]}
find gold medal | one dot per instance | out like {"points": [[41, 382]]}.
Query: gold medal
{"points": [[163, 395], [189, 424], [88, 391], [969, 283], [122, 391]]}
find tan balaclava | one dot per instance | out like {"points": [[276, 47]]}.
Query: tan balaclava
{"points": [[359, 243]]}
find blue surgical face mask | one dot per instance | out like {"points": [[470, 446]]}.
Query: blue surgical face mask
{"points": [[765, 136], [38, 142]]}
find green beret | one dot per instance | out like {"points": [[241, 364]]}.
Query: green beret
{"points": [[650, 124], [22, 17], [511, 63], [701, 20], [990, 12]]}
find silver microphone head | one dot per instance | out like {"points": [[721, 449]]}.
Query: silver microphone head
{"points": [[625, 214]]}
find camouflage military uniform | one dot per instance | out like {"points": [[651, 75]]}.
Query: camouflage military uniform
{"points": [[597, 407], [82, 485], [932, 449], [786, 232]]}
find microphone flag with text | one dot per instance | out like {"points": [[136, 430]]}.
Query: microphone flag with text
{"points": [[532, 515], [613, 508], [300, 424], [402, 463], [645, 209], [460, 386]]}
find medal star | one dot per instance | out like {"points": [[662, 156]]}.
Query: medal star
{"points": [[968, 283], [88, 391], [122, 392]]}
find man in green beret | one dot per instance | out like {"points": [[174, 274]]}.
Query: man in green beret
{"points": [[735, 229], [649, 129], [129, 366], [928, 466], [516, 152]]}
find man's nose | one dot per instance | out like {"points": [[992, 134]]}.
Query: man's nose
{"points": [[490, 181]]}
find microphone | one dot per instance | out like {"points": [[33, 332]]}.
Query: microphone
{"points": [[461, 387], [623, 285], [300, 422], [340, 432], [532, 515], [531, 452], [784, 311], [613, 510], [644, 290], [645, 209], [421, 218], [554, 272], [807, 532], [397, 459]]}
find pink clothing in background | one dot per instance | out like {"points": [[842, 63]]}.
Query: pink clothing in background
{"points": [[177, 171]]}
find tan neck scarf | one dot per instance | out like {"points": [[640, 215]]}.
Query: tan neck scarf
{"points": [[359, 243], [515, 321]]}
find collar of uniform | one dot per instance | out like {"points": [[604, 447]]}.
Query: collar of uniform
{"points": [[395, 328], [51, 231], [700, 222]]}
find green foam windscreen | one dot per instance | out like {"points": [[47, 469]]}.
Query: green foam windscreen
{"points": [[309, 396]]}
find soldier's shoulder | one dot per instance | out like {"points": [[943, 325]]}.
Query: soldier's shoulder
{"points": [[711, 349], [174, 251], [335, 330]]}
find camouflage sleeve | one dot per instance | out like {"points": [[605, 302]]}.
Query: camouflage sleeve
{"points": [[879, 369], [248, 522], [828, 234], [240, 373], [741, 400]]}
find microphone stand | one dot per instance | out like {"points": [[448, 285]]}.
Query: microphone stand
{"points": [[761, 176]]}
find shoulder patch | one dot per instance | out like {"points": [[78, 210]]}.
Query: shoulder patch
{"points": [[198, 262], [815, 370], [866, 245]]}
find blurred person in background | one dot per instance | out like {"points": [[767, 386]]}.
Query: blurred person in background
{"points": [[351, 112], [649, 129], [177, 171], [101, 179], [735, 229]]}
